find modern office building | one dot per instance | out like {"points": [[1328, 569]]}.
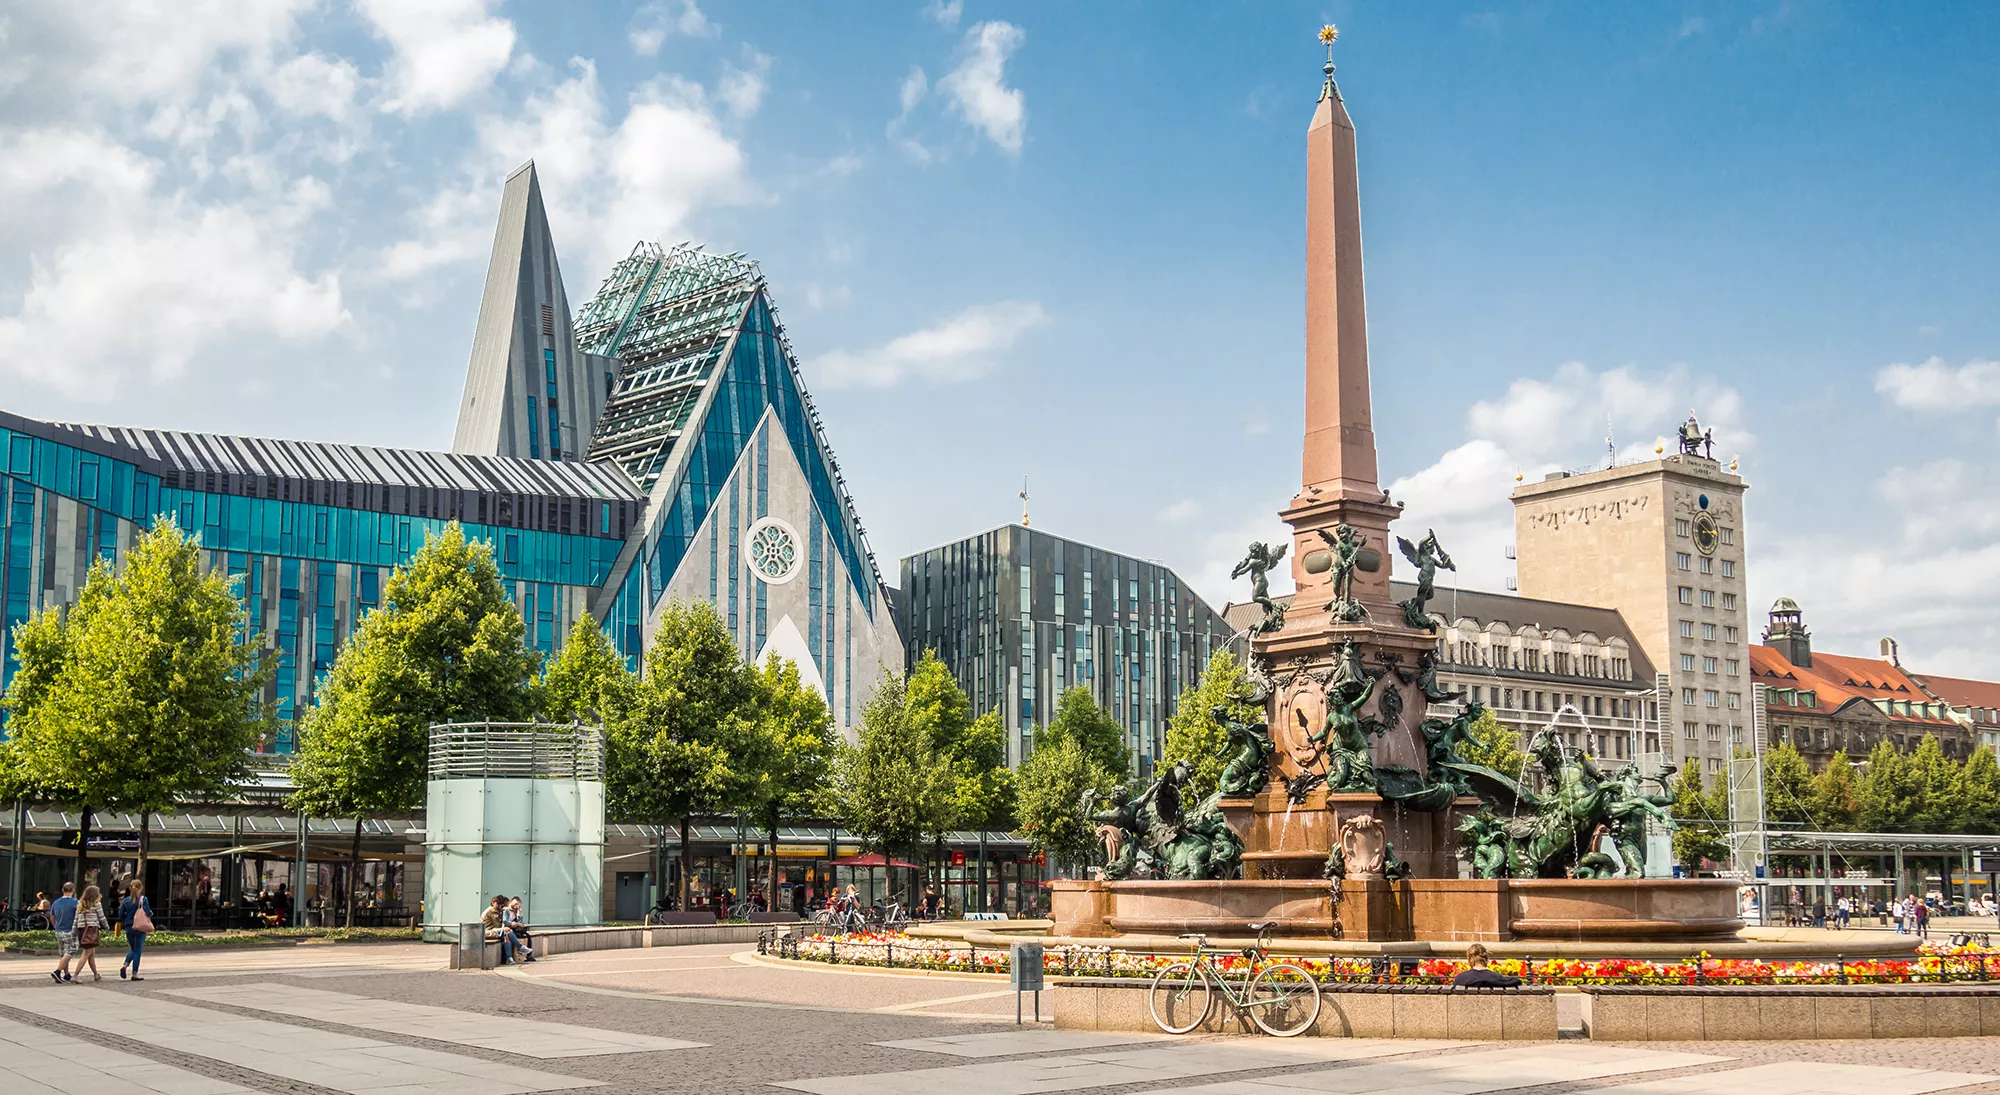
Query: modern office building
{"points": [[1020, 615], [666, 449], [1540, 666]]}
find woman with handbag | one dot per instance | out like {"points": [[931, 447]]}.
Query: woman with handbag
{"points": [[90, 929], [135, 915]]}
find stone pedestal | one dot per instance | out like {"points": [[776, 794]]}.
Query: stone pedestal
{"points": [[1081, 908]]}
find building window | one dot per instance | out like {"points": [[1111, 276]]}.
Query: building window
{"points": [[1686, 595], [1715, 731], [1687, 629], [1729, 633], [1708, 632], [1729, 568], [1687, 697], [1708, 664], [1687, 663], [1733, 667], [1728, 535], [1709, 697], [1681, 527], [1708, 598], [1736, 701], [1707, 565], [1682, 559], [1687, 730], [1729, 601], [1714, 764]]}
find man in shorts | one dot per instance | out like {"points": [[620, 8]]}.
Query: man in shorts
{"points": [[63, 914]]}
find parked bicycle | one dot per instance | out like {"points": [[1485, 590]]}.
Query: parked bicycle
{"points": [[26, 920], [889, 914], [1282, 998]]}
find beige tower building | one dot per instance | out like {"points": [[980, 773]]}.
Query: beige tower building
{"points": [[1661, 541]]}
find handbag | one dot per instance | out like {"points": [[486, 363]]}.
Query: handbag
{"points": [[87, 937], [140, 921]]}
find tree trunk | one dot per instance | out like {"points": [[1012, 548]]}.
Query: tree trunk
{"points": [[353, 870], [145, 842], [82, 848], [771, 894], [687, 862]]}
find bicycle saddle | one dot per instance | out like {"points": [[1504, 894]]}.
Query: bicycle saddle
{"points": [[1261, 926]]}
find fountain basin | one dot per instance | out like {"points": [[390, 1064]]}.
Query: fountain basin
{"points": [[1464, 910]]}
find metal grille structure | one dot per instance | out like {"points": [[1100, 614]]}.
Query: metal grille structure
{"points": [[516, 750]]}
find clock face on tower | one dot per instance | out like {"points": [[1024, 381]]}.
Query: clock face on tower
{"points": [[1704, 534]]}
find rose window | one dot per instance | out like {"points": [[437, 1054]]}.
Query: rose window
{"points": [[774, 554]]}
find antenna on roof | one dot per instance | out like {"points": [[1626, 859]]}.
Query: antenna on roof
{"points": [[1024, 501], [1610, 447]]}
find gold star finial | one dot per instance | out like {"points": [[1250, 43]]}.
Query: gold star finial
{"points": [[1329, 34]]}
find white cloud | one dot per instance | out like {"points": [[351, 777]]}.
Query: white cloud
{"points": [[316, 85], [655, 21], [180, 277], [443, 51], [945, 15], [1181, 512], [742, 89], [1691, 27], [978, 90], [1935, 386], [1540, 425], [909, 93], [132, 52], [606, 185], [963, 347]]}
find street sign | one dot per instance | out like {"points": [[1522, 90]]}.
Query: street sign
{"points": [[958, 859]]}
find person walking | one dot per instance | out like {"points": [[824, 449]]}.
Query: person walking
{"points": [[1922, 910], [90, 929], [62, 916], [135, 915]]}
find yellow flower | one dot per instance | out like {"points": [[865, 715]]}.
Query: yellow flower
{"points": [[1328, 33]]}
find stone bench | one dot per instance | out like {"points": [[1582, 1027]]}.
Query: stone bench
{"points": [[1527, 1013], [472, 952], [1647, 1013]]}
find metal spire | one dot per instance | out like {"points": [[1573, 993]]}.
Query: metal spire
{"points": [[1024, 501], [1328, 35]]}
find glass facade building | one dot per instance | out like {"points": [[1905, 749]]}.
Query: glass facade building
{"points": [[1019, 616], [609, 461]]}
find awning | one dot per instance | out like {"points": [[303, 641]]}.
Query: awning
{"points": [[872, 859]]}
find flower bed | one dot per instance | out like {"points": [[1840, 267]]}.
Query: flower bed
{"points": [[895, 950], [38, 942]]}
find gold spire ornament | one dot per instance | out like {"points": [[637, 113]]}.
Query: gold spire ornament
{"points": [[1328, 35]]}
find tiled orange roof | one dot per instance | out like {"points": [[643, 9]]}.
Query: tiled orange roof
{"points": [[1837, 679], [1962, 692]]}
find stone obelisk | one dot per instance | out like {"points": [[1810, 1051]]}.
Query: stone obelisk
{"points": [[1339, 484]]}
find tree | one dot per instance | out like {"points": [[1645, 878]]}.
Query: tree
{"points": [[797, 750], [587, 680], [896, 786], [1703, 818], [1935, 778], [446, 646], [1889, 799], [146, 694], [1832, 797], [1194, 735], [1053, 780], [1495, 746], [973, 751], [1787, 788], [677, 750], [1078, 718], [1978, 793]]}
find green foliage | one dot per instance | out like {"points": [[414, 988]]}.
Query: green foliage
{"points": [[1078, 718], [974, 751], [1935, 777], [896, 786], [674, 750], [587, 680], [1703, 817], [1834, 794], [145, 694], [1053, 780], [446, 646], [1890, 797], [797, 746], [1495, 746], [1194, 735], [1787, 789], [1978, 793]]}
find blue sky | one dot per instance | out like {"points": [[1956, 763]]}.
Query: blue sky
{"points": [[1064, 241]]}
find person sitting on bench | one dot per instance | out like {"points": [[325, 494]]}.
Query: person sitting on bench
{"points": [[1476, 975]]}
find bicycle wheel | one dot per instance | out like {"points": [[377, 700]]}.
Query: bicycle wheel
{"points": [[1283, 1000], [1179, 998]]}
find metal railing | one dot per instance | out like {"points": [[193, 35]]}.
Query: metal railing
{"points": [[516, 750]]}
